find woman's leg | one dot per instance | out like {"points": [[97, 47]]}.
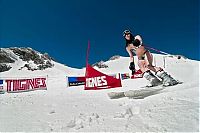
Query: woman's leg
{"points": [[145, 55], [142, 65], [145, 60], [149, 61], [166, 78], [153, 80]]}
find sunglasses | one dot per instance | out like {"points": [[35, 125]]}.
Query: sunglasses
{"points": [[126, 33]]}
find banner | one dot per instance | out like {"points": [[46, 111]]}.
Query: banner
{"points": [[22, 84], [125, 76], [137, 74], [95, 80], [76, 81], [80, 80], [1, 86]]}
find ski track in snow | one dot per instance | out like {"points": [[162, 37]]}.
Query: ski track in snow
{"points": [[174, 109]]}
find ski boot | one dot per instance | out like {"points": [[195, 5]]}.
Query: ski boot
{"points": [[166, 78], [154, 81]]}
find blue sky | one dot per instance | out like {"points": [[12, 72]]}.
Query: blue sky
{"points": [[62, 28]]}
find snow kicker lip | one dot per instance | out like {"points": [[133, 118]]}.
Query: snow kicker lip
{"points": [[135, 94]]}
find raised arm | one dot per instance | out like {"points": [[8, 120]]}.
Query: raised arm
{"points": [[132, 64]]}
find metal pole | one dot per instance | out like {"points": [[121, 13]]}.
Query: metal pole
{"points": [[164, 61]]}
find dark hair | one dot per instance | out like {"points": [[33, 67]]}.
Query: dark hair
{"points": [[129, 41]]}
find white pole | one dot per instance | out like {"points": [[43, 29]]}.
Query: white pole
{"points": [[164, 61], [154, 60]]}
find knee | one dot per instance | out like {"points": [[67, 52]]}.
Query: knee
{"points": [[159, 69], [141, 57], [143, 67], [149, 65]]}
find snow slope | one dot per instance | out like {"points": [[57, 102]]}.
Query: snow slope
{"points": [[174, 109]]}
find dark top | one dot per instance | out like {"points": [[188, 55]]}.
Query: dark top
{"points": [[133, 41]]}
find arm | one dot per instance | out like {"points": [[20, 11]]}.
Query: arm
{"points": [[139, 38], [132, 64], [130, 54]]}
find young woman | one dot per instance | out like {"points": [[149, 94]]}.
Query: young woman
{"points": [[135, 46]]}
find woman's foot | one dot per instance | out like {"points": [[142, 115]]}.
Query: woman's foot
{"points": [[153, 80], [166, 78]]}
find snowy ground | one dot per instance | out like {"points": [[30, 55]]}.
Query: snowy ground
{"points": [[175, 109]]}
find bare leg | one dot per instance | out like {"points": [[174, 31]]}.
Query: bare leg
{"points": [[146, 63], [166, 78], [149, 61], [153, 80], [142, 65]]}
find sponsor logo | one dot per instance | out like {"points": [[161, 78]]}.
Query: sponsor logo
{"points": [[125, 76], [25, 84], [96, 81], [76, 81], [1, 85]]}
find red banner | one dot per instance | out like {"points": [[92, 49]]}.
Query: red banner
{"points": [[137, 74], [21, 85], [96, 80]]}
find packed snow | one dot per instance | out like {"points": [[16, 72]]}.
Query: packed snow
{"points": [[73, 109]]}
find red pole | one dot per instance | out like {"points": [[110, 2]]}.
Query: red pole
{"points": [[87, 55]]}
